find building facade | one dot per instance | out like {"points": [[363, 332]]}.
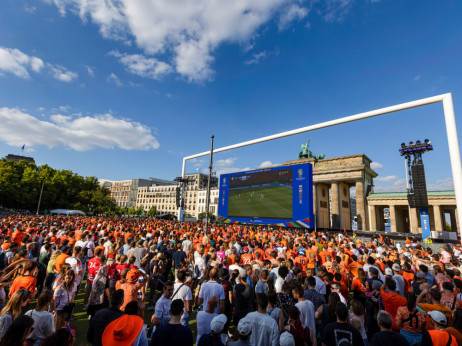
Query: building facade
{"points": [[201, 204], [125, 192]]}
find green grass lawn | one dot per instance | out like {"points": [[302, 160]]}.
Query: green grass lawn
{"points": [[276, 204]]}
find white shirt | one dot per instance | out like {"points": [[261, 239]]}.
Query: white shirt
{"points": [[278, 284], [183, 293], [162, 308], [399, 284], [76, 266], [203, 320], [306, 308], [208, 290], [44, 324], [187, 245], [265, 330], [241, 270]]}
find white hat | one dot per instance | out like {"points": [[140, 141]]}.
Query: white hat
{"points": [[286, 339], [396, 267], [218, 323], [244, 327], [438, 316], [388, 271]]}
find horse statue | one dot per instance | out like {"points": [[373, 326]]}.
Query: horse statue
{"points": [[307, 154]]}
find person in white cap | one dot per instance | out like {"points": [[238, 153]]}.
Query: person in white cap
{"points": [[286, 339], [244, 329], [398, 278], [438, 336], [216, 327]]}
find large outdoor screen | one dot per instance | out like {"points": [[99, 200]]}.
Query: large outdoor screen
{"points": [[279, 196]]}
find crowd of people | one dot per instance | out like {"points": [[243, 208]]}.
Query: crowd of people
{"points": [[228, 285]]}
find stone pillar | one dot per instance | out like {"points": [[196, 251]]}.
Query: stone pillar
{"points": [[360, 205], [335, 205], [393, 218], [456, 218], [373, 216], [414, 220], [437, 216], [315, 205]]}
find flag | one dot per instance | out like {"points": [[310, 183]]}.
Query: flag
{"points": [[344, 229], [23, 147]]}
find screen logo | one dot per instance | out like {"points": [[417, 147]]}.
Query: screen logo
{"points": [[224, 180], [300, 172]]}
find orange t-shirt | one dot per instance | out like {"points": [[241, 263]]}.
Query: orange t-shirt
{"points": [[392, 303], [130, 292], [60, 260], [301, 263], [353, 268], [261, 252], [5, 246], [430, 307], [246, 258], [311, 258], [17, 237], [27, 282], [358, 285], [323, 254]]}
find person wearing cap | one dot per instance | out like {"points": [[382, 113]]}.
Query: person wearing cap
{"points": [[244, 330], [216, 336], [265, 330], [243, 298], [301, 262], [386, 336], [438, 336], [371, 264], [127, 330], [173, 333], [286, 339], [400, 284]]}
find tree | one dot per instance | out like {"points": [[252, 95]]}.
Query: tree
{"points": [[202, 215], [152, 212]]}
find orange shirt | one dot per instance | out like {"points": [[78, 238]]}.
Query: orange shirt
{"points": [[60, 260], [231, 259], [322, 256], [408, 278], [353, 268], [413, 326], [450, 301], [5, 246], [261, 252], [430, 307], [130, 292], [27, 282], [301, 263], [392, 303], [358, 285], [17, 237], [311, 258], [246, 258]]}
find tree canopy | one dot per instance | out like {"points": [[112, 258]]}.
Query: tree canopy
{"points": [[21, 182]]}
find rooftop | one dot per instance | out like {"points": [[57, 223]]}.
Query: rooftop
{"points": [[404, 194]]}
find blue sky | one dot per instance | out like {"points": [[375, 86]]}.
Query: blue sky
{"points": [[125, 89]]}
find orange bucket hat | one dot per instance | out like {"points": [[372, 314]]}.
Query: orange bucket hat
{"points": [[122, 331]]}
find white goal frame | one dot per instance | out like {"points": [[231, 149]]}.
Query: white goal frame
{"points": [[453, 141]]}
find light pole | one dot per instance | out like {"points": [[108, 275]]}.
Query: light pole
{"points": [[207, 199], [40, 198]]}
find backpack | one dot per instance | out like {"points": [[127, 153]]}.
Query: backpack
{"points": [[3, 259], [196, 273]]}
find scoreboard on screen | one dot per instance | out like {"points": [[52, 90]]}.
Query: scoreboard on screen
{"points": [[280, 196]]}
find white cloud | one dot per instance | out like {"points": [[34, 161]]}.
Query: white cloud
{"points": [[266, 164], [416, 78], [187, 31], [18, 63], [142, 66], [30, 8], [255, 58], [376, 166], [226, 162], [76, 132], [90, 70], [61, 73], [291, 14], [386, 178], [441, 185], [398, 186], [114, 79], [335, 10]]}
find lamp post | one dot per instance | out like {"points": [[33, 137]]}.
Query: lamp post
{"points": [[40, 198], [207, 199]]}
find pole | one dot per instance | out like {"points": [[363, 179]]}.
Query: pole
{"points": [[454, 154], [207, 200], [40, 198]]}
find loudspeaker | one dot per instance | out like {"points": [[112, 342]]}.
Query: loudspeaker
{"points": [[420, 187]]}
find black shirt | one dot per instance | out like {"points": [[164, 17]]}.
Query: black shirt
{"points": [[243, 295], [335, 333], [388, 338], [178, 257], [173, 335], [99, 322]]}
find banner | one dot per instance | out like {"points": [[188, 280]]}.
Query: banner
{"points": [[425, 224]]}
